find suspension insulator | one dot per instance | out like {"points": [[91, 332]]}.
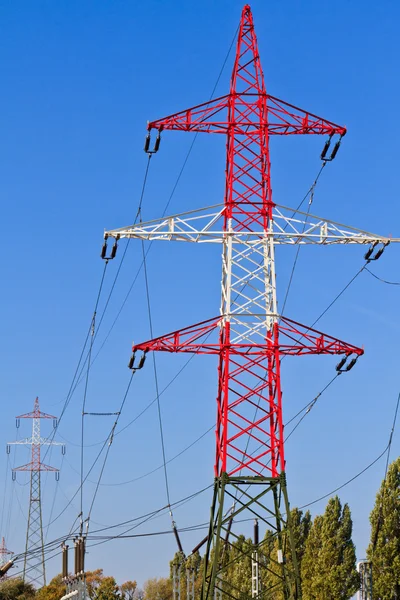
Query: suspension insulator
{"points": [[325, 148], [114, 250], [104, 250], [147, 143], [17, 423], [54, 423], [14, 476], [142, 361], [131, 361], [335, 150], [367, 255], [8, 448], [379, 253], [57, 476], [157, 144], [351, 364], [341, 364], [63, 449]]}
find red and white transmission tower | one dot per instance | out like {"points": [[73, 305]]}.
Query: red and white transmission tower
{"points": [[249, 336], [4, 554], [34, 563]]}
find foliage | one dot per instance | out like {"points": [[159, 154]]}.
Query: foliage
{"points": [[128, 590], [384, 549], [301, 525], [93, 581], [107, 590], [237, 574], [309, 566], [53, 591], [329, 561], [158, 589], [16, 589]]}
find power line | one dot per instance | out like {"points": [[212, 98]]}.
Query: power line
{"points": [[111, 437], [382, 280]]}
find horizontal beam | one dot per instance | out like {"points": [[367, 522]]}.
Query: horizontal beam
{"points": [[288, 227]]}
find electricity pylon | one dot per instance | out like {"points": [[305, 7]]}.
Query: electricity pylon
{"points": [[4, 554], [34, 563], [249, 336]]}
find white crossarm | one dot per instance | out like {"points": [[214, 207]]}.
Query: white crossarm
{"points": [[29, 442], [290, 227]]}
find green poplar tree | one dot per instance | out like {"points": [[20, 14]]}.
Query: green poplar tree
{"points": [[238, 574], [272, 578], [329, 561], [384, 549], [309, 566]]}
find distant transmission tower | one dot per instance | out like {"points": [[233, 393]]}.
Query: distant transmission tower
{"points": [[34, 564], [4, 553]]}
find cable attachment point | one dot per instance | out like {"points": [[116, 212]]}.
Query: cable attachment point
{"points": [[343, 366], [369, 255], [325, 149], [113, 252], [141, 361], [156, 143]]}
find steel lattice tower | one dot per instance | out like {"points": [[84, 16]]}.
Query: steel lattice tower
{"points": [[34, 563], [249, 336]]}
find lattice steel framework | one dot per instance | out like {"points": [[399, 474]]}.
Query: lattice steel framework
{"points": [[34, 563], [249, 337]]}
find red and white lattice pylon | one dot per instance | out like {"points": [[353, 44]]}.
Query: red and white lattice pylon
{"points": [[34, 563], [249, 336]]}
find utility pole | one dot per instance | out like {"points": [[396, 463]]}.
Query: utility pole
{"points": [[249, 336], [34, 562], [4, 553]]}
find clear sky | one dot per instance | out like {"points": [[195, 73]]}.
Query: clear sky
{"points": [[79, 81]]}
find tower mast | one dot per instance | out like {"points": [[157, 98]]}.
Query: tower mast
{"points": [[34, 562], [249, 337]]}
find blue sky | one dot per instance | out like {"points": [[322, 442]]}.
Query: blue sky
{"points": [[79, 82]]}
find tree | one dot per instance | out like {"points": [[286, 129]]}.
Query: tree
{"points": [[384, 549], [128, 590], [329, 561], [300, 525], [107, 590], [158, 589], [237, 577], [16, 589], [53, 591], [93, 581], [309, 567]]}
